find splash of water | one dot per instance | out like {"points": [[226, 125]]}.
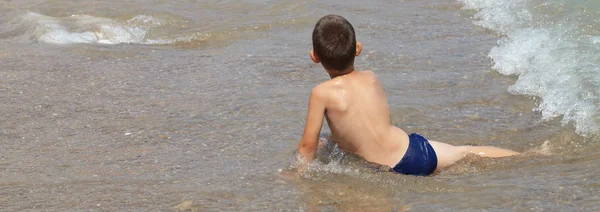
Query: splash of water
{"points": [[554, 49], [329, 158], [88, 29]]}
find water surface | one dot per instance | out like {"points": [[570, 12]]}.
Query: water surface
{"points": [[197, 106]]}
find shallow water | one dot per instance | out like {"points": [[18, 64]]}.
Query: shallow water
{"points": [[205, 119]]}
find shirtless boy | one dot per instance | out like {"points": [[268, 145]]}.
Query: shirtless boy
{"points": [[354, 104]]}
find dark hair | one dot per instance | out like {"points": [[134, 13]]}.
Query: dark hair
{"points": [[334, 42]]}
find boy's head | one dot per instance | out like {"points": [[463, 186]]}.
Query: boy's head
{"points": [[334, 43]]}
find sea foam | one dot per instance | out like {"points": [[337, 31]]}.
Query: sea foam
{"points": [[554, 49], [88, 29], [80, 29]]}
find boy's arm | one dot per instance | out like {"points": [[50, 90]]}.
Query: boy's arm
{"points": [[314, 121]]}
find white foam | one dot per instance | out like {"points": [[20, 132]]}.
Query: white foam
{"points": [[499, 15], [553, 58], [595, 39], [77, 29]]}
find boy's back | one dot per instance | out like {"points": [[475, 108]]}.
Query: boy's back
{"points": [[359, 118]]}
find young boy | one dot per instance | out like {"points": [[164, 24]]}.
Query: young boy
{"points": [[354, 104]]}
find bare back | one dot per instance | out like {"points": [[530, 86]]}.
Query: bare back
{"points": [[359, 118]]}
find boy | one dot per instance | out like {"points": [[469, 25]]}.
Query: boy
{"points": [[358, 115]]}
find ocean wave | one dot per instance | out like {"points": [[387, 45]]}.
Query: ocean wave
{"points": [[554, 49], [88, 29]]}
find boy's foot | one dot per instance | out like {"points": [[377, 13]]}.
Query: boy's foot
{"points": [[543, 149]]}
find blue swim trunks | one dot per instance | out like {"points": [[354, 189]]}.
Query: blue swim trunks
{"points": [[419, 159]]}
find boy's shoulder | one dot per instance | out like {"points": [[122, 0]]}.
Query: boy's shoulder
{"points": [[336, 82], [321, 89], [369, 73]]}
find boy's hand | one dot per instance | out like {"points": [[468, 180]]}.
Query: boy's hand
{"points": [[298, 167]]}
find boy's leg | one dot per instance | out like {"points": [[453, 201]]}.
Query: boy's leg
{"points": [[448, 154], [491, 151]]}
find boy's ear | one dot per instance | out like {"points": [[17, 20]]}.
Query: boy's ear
{"points": [[358, 48], [314, 57]]}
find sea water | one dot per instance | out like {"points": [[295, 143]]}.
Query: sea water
{"points": [[199, 105], [554, 49]]}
